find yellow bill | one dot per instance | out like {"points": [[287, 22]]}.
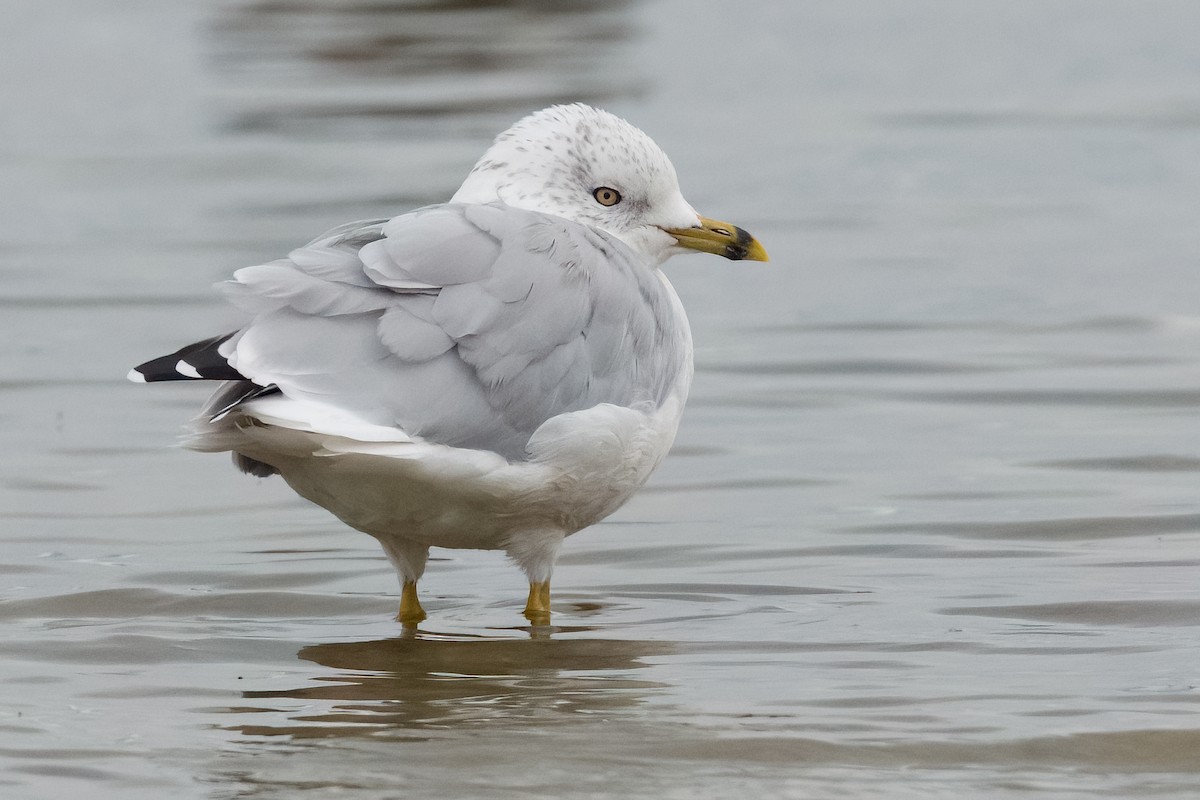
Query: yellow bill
{"points": [[721, 238]]}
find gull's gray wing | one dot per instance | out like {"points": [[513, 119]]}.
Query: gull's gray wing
{"points": [[466, 325]]}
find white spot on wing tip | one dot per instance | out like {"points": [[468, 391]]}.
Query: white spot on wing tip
{"points": [[184, 368], [135, 376]]}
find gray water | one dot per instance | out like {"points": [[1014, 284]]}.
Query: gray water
{"points": [[931, 527]]}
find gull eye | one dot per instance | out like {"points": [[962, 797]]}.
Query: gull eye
{"points": [[606, 196]]}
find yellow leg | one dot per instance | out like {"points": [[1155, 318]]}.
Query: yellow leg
{"points": [[537, 609], [410, 607]]}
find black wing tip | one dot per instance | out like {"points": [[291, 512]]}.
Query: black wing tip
{"points": [[234, 395], [201, 361]]}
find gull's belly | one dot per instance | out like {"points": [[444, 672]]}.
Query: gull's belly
{"points": [[584, 465]]}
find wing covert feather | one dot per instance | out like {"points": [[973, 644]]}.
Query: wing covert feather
{"points": [[467, 325]]}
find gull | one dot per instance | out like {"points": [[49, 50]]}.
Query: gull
{"points": [[497, 372]]}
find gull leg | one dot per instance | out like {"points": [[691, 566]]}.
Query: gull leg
{"points": [[410, 606], [535, 553], [537, 608], [408, 558]]}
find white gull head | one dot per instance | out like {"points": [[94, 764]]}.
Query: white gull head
{"points": [[594, 168]]}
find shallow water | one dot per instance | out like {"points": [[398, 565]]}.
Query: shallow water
{"points": [[931, 528]]}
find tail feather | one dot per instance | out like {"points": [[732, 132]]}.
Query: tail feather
{"points": [[205, 361]]}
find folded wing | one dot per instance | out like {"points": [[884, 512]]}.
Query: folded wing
{"points": [[465, 325]]}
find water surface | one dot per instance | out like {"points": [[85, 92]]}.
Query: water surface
{"points": [[931, 527]]}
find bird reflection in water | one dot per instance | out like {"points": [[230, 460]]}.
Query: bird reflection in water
{"points": [[428, 681]]}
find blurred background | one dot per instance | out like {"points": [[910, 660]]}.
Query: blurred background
{"points": [[931, 525]]}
